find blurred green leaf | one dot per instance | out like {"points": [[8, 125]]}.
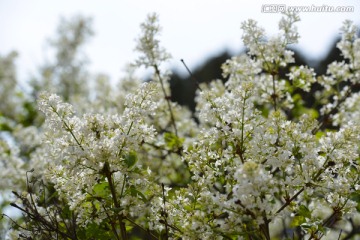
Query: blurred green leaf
{"points": [[136, 193], [131, 159], [304, 211], [101, 190], [172, 141]]}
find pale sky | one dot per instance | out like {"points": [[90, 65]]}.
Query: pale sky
{"points": [[193, 30]]}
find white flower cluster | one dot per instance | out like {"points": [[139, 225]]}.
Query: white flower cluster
{"points": [[12, 167], [273, 51], [346, 71], [302, 77], [250, 170], [148, 44], [265, 58], [84, 149], [245, 166]]}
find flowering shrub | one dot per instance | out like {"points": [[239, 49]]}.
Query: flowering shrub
{"points": [[133, 164]]}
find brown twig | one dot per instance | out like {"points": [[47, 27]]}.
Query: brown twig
{"points": [[167, 98]]}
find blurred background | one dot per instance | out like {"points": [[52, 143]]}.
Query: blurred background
{"points": [[192, 30]]}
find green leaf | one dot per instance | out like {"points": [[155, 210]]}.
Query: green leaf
{"points": [[172, 141], [95, 231], [319, 134], [117, 210], [131, 159], [136, 193], [289, 88], [129, 228], [304, 211], [4, 126], [355, 196], [297, 221], [66, 212], [101, 190], [313, 113], [307, 225]]}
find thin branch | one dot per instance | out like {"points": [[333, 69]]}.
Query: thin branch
{"points": [[167, 98], [108, 175], [142, 228], [274, 95], [340, 234], [111, 223], [191, 75], [67, 127], [288, 201], [40, 220], [164, 213]]}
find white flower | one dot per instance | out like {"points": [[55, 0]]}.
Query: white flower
{"points": [[148, 43]]}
